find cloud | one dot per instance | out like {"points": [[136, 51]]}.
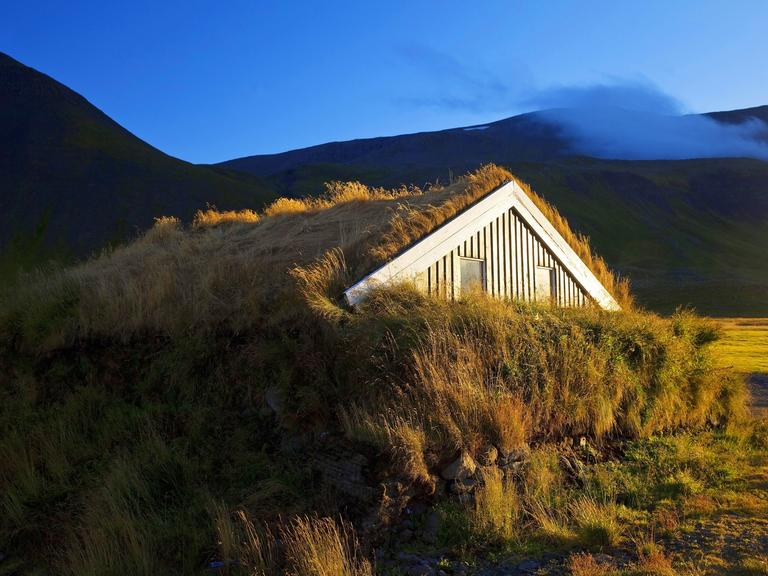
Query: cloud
{"points": [[634, 95], [637, 121], [617, 118], [457, 86]]}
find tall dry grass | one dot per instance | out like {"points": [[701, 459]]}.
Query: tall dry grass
{"points": [[496, 509], [236, 269], [307, 546], [212, 217], [480, 371]]}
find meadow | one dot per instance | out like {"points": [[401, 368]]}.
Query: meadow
{"points": [[744, 346]]}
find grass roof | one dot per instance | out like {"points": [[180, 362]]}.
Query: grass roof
{"points": [[231, 269]]}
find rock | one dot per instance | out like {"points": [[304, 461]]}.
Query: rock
{"points": [[509, 457], [528, 566], [439, 486], [344, 471], [432, 527], [606, 559], [488, 455], [274, 396], [406, 557], [461, 468], [461, 487]]}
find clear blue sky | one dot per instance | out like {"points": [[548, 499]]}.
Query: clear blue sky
{"points": [[209, 81]]}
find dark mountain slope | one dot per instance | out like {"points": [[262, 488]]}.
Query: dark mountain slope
{"points": [[523, 137], [739, 116], [73, 179], [685, 232]]}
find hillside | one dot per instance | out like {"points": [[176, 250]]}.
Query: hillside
{"points": [[74, 180], [200, 401]]}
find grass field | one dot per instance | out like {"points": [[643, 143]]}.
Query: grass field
{"points": [[744, 345]]}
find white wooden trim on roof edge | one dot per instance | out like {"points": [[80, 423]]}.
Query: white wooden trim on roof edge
{"points": [[443, 239]]}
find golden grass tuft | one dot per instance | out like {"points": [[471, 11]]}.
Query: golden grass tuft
{"points": [[584, 564], [323, 547], [211, 217], [414, 222], [311, 546], [288, 206], [597, 523], [496, 510], [652, 559], [247, 543]]}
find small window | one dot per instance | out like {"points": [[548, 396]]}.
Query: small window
{"points": [[545, 284], [472, 274]]}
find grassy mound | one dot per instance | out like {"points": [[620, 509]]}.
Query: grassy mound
{"points": [[146, 393]]}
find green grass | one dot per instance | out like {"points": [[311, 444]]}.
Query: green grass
{"points": [[744, 346]]}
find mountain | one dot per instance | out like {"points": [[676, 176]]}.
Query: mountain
{"points": [[738, 116], [411, 157], [684, 231], [74, 180]]}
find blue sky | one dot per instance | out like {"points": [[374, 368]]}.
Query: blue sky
{"points": [[210, 81]]}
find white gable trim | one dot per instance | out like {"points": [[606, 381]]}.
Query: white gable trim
{"points": [[423, 253]]}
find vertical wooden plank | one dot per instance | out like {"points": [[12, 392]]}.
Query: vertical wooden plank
{"points": [[521, 260], [528, 267], [454, 257], [513, 255], [500, 251], [523, 264], [505, 253], [443, 278], [489, 257]]}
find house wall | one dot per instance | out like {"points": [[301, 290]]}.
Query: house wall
{"points": [[511, 252]]}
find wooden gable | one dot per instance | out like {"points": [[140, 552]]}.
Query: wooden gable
{"points": [[504, 244]]}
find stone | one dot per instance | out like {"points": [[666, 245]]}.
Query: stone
{"points": [[528, 566], [462, 487], [344, 471], [461, 468], [274, 396], [508, 457], [432, 527], [488, 455]]}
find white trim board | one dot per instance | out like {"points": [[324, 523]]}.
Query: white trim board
{"points": [[434, 245]]}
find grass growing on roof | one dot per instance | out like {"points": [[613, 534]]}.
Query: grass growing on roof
{"points": [[229, 269]]}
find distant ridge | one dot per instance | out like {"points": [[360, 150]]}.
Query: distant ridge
{"points": [[73, 179], [526, 137]]}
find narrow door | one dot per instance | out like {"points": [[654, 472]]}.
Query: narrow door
{"points": [[545, 284]]}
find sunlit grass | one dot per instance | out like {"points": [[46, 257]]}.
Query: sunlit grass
{"points": [[744, 346]]}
